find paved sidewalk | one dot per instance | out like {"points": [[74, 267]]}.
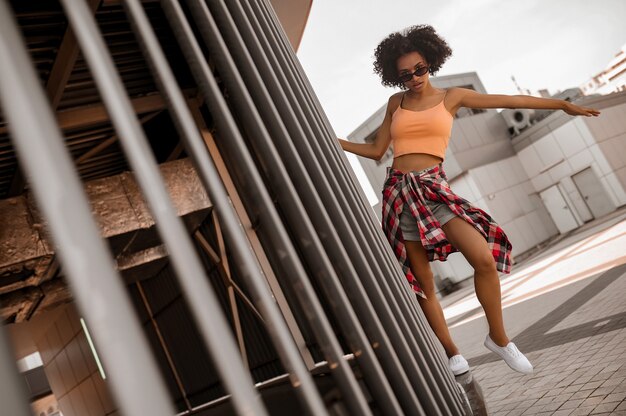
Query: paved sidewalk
{"points": [[565, 308]]}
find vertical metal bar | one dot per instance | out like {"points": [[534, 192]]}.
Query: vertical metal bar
{"points": [[240, 247], [12, 394], [286, 51], [100, 294], [194, 282]]}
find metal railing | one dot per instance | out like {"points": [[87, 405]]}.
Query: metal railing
{"points": [[317, 228]]}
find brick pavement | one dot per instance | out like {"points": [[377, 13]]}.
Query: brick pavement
{"points": [[575, 336], [583, 377]]}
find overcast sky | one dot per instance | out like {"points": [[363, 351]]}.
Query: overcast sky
{"points": [[552, 44]]}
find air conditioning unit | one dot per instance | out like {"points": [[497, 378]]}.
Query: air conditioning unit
{"points": [[517, 119]]}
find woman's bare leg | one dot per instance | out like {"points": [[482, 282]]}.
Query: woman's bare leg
{"points": [[486, 280], [431, 307]]}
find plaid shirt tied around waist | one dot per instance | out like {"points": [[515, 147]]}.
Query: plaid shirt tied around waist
{"points": [[414, 188]]}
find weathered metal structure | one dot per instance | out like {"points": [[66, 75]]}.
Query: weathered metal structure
{"points": [[167, 169]]}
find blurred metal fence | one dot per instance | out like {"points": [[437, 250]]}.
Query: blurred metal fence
{"points": [[318, 231]]}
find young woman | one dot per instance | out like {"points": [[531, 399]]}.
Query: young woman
{"points": [[422, 218]]}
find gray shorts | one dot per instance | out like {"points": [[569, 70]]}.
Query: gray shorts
{"points": [[409, 227]]}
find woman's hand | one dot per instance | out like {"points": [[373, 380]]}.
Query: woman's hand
{"points": [[575, 110]]}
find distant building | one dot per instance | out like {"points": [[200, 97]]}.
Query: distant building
{"points": [[611, 79], [538, 173]]}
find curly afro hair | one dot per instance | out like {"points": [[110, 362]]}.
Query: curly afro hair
{"points": [[420, 38]]}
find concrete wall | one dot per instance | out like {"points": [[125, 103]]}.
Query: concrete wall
{"points": [[575, 146], [507, 194], [466, 79], [609, 132], [479, 139]]}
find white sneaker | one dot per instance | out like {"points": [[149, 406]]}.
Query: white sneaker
{"points": [[511, 355], [458, 365]]}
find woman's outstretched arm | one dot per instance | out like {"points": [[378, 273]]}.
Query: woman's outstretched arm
{"points": [[462, 97], [378, 147]]}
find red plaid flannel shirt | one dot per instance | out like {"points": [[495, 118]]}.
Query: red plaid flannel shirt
{"points": [[432, 184]]}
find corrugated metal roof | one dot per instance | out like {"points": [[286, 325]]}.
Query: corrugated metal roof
{"points": [[44, 27]]}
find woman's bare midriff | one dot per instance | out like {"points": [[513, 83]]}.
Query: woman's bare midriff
{"points": [[415, 161]]}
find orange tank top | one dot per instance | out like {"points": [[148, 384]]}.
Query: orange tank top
{"points": [[426, 131]]}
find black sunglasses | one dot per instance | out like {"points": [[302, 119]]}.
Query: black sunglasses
{"points": [[409, 75]]}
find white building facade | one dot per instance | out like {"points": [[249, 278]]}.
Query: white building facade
{"points": [[611, 79], [536, 180]]}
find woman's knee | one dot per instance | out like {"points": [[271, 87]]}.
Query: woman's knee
{"points": [[484, 263]]}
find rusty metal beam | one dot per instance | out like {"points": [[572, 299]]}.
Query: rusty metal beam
{"points": [[64, 62], [81, 117], [19, 306], [108, 142], [55, 293], [29, 302], [59, 74], [178, 150], [143, 264], [215, 258], [209, 141], [26, 253], [88, 116], [27, 256]]}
